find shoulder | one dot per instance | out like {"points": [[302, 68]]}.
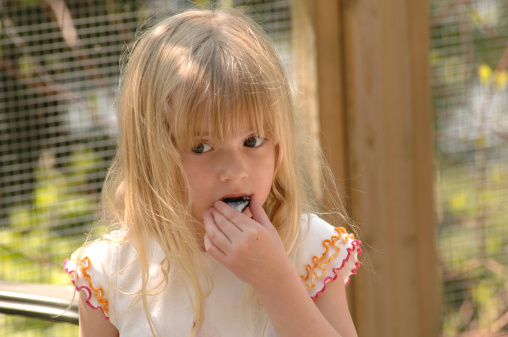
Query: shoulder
{"points": [[94, 265], [324, 251], [98, 253]]}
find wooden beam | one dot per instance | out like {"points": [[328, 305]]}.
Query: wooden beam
{"points": [[332, 121], [331, 91], [429, 273], [318, 62], [366, 71], [390, 165], [305, 72]]}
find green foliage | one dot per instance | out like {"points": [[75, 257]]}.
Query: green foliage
{"points": [[29, 3], [41, 235], [470, 81], [26, 66], [473, 248], [31, 327]]}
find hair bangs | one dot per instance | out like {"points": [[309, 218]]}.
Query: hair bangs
{"points": [[220, 94]]}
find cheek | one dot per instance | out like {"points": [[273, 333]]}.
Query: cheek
{"points": [[270, 171], [266, 171], [192, 173], [197, 177]]}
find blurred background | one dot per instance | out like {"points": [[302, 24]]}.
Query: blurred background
{"points": [[59, 68], [469, 58]]}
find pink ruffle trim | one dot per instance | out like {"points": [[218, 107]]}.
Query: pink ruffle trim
{"points": [[355, 246], [75, 277]]}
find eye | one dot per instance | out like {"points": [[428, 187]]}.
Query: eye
{"points": [[201, 148], [253, 141]]}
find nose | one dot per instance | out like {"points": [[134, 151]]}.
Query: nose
{"points": [[233, 166]]}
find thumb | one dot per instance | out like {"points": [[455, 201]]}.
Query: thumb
{"points": [[258, 213]]}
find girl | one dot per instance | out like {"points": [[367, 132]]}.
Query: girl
{"points": [[207, 120]]}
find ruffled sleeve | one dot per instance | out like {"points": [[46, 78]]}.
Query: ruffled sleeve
{"points": [[90, 269], [325, 251]]}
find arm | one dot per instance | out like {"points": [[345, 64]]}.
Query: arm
{"points": [[92, 322], [252, 250], [293, 313], [333, 305]]}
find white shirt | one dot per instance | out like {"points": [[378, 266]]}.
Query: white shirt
{"points": [[325, 249]]}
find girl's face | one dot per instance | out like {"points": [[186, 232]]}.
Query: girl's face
{"points": [[242, 165]]}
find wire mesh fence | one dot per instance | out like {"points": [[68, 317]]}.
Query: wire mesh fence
{"points": [[59, 68], [469, 58]]}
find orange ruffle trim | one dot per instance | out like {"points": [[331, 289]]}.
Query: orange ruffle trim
{"points": [[98, 292], [317, 269]]}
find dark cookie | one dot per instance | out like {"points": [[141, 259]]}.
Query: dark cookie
{"points": [[240, 203]]}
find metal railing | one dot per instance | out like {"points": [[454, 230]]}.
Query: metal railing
{"points": [[43, 301]]}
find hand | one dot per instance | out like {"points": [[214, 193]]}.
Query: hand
{"points": [[249, 248], [253, 251]]}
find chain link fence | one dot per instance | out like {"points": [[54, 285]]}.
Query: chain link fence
{"points": [[469, 59]]}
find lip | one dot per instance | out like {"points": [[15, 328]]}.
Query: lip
{"points": [[235, 195]]}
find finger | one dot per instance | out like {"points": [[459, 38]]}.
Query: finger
{"points": [[229, 228], [236, 218], [215, 234], [213, 250], [258, 213]]}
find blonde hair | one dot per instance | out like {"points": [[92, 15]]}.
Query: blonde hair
{"points": [[213, 65]]}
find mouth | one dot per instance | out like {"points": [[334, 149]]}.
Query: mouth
{"points": [[240, 203]]}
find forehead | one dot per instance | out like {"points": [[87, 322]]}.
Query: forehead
{"points": [[218, 119]]}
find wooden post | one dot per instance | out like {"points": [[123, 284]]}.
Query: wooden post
{"points": [[390, 144], [375, 117], [318, 72], [305, 72]]}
